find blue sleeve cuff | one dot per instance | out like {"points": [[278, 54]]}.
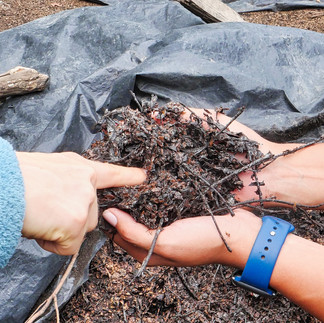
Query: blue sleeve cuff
{"points": [[12, 202]]}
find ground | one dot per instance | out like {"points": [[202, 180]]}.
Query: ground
{"points": [[201, 294]]}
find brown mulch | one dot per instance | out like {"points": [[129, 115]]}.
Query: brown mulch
{"points": [[199, 294], [17, 12], [310, 19]]}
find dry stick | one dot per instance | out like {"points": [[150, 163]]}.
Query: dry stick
{"points": [[242, 169], [291, 151], [43, 307], [253, 201], [211, 187], [136, 100], [309, 217], [190, 292], [215, 222], [56, 310], [150, 252], [258, 190], [240, 111]]}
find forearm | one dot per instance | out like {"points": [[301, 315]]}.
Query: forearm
{"points": [[297, 178], [298, 272], [12, 203]]}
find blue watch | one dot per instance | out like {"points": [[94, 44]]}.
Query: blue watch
{"points": [[263, 256]]}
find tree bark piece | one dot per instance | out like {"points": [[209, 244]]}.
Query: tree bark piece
{"points": [[21, 80], [212, 10]]}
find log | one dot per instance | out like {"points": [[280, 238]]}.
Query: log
{"points": [[21, 80], [212, 10]]}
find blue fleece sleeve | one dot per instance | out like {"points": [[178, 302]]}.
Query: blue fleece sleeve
{"points": [[12, 202]]}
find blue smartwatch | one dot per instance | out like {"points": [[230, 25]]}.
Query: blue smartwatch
{"points": [[263, 256]]}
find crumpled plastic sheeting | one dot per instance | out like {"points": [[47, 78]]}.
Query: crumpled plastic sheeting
{"points": [[24, 279], [275, 72], [274, 5], [94, 56], [69, 47]]}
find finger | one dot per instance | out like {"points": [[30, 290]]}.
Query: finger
{"points": [[140, 254], [135, 233], [63, 249], [92, 219], [110, 175]]}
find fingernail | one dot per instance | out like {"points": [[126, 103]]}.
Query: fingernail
{"points": [[110, 218]]}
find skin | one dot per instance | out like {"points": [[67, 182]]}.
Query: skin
{"points": [[61, 199], [298, 273]]}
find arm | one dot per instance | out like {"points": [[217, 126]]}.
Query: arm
{"points": [[61, 199], [298, 273], [52, 198], [12, 205], [297, 178]]}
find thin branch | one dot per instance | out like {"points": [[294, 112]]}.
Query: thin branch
{"points": [[291, 151], [150, 252], [43, 307], [240, 111], [190, 292], [273, 200], [242, 169], [136, 100], [215, 222], [56, 310]]}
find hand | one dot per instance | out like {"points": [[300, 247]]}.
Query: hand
{"points": [[61, 200], [296, 178], [188, 242]]}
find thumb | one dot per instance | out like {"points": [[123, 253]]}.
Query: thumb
{"points": [[130, 230]]}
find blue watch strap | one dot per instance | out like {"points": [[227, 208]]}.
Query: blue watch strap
{"points": [[263, 256]]}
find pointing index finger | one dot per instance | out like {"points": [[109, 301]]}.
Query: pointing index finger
{"points": [[110, 175]]}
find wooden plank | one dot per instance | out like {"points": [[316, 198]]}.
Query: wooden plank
{"points": [[212, 10], [21, 80]]}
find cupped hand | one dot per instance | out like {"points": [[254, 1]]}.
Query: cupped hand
{"points": [[279, 178], [188, 242], [61, 199]]}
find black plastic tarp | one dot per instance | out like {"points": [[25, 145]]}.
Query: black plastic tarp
{"points": [[95, 56]]}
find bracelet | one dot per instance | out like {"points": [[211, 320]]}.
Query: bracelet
{"points": [[263, 256]]}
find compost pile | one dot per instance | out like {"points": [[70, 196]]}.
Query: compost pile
{"points": [[192, 164]]}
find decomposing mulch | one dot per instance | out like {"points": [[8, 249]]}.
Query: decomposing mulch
{"points": [[310, 19], [165, 294], [181, 158]]}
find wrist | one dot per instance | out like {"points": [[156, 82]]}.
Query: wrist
{"points": [[240, 231], [296, 178], [263, 256]]}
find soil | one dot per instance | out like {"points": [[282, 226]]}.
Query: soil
{"points": [[198, 294]]}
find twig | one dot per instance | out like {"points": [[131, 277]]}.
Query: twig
{"points": [[136, 100], [242, 169], [291, 151], [211, 290], [56, 310], [43, 307], [273, 200], [240, 111], [215, 222], [310, 218], [190, 292], [259, 192], [150, 252]]}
